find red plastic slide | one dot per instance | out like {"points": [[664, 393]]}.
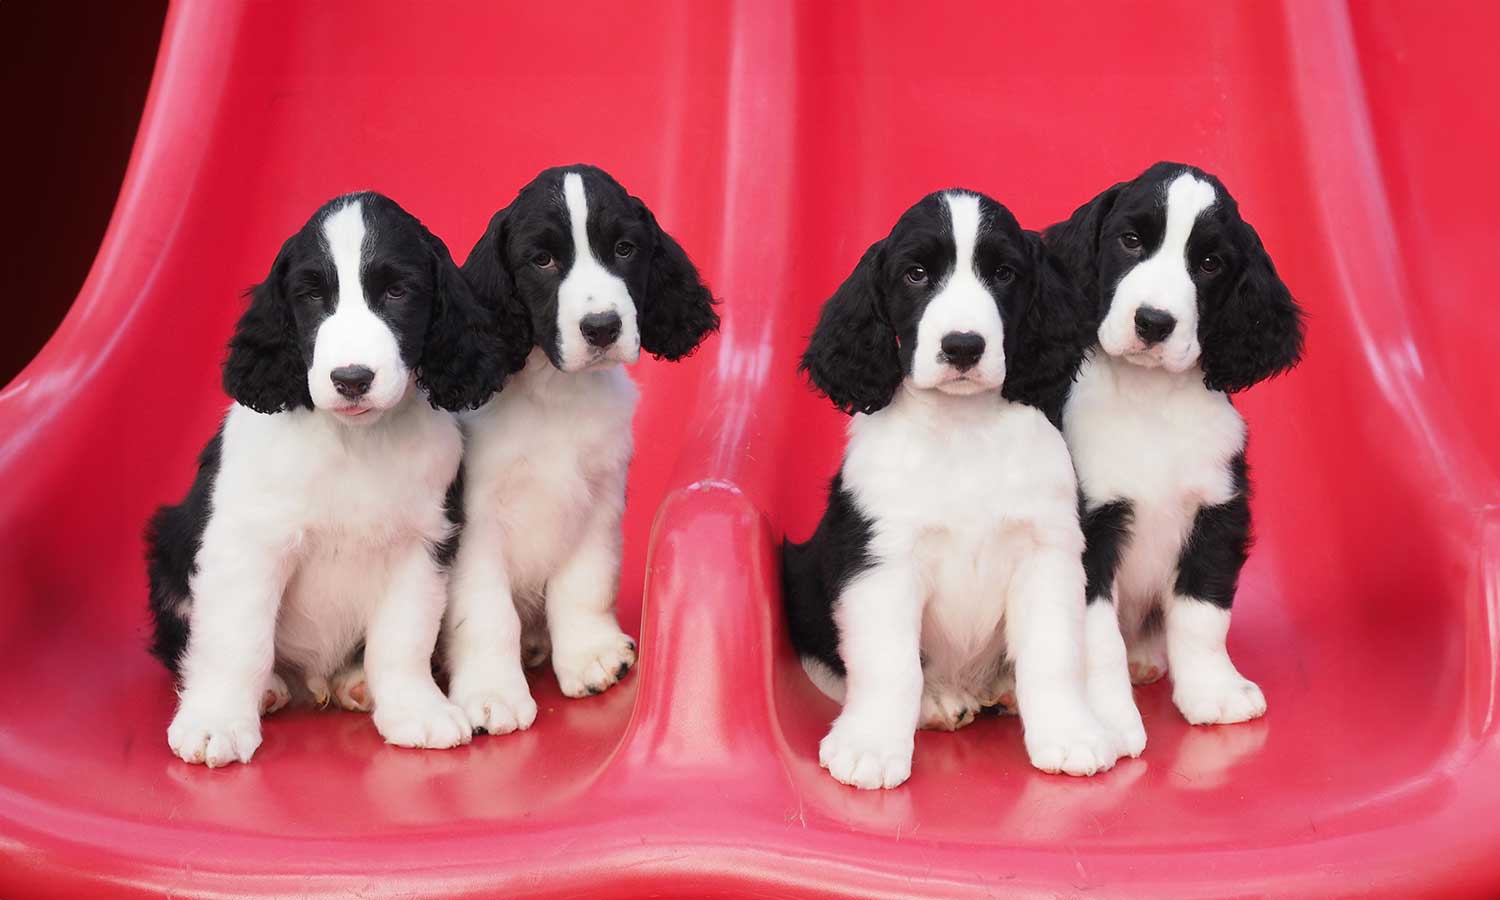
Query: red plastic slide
{"points": [[776, 139]]}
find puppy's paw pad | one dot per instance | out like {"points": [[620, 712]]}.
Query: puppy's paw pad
{"points": [[212, 738], [433, 724], [1075, 749], [948, 709], [863, 761], [495, 711], [595, 666], [1219, 702], [351, 691]]}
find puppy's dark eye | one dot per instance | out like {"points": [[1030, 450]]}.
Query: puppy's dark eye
{"points": [[1210, 264], [624, 249], [916, 275], [395, 292], [1130, 241], [313, 296], [1005, 274], [543, 260]]}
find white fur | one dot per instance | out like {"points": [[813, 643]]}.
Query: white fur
{"points": [[1164, 442], [544, 495], [1163, 282], [354, 335], [319, 536], [976, 557], [588, 287], [961, 304]]}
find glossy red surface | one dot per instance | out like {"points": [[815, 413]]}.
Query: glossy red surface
{"points": [[777, 140]]}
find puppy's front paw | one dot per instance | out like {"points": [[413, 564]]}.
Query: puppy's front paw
{"points": [[1123, 720], [1218, 701], [1076, 745], [947, 708], [494, 708], [202, 733], [594, 664], [421, 721], [864, 757]]}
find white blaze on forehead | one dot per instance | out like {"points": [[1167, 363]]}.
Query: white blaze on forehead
{"points": [[344, 233], [578, 218], [1187, 198], [963, 303], [353, 335], [963, 213], [587, 288]]}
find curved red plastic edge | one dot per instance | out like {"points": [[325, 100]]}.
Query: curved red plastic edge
{"points": [[776, 140]]}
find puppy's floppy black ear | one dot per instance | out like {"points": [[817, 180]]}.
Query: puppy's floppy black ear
{"points": [[853, 357], [486, 272], [465, 351], [1255, 330], [1076, 242], [265, 370], [677, 312], [1046, 341]]}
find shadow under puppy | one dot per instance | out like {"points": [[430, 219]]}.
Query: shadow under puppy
{"points": [[1190, 310], [586, 269], [322, 509], [950, 549]]}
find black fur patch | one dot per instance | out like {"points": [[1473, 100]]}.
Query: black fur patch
{"points": [[1105, 532], [815, 573], [173, 537], [453, 508], [1215, 551]]}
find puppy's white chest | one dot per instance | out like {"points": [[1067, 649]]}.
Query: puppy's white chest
{"points": [[1151, 437], [1163, 442], [966, 498], [543, 456]]}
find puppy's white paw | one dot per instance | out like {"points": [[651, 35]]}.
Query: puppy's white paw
{"points": [[276, 695], [1218, 701], [1117, 713], [423, 721], [947, 708], [863, 757], [1076, 745], [351, 691], [593, 664], [214, 736], [494, 708]]}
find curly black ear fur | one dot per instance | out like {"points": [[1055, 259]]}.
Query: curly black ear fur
{"points": [[1076, 242], [1045, 344], [465, 352], [853, 357], [1255, 331], [486, 274], [677, 312], [265, 370]]}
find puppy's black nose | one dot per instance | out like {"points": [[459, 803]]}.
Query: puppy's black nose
{"points": [[352, 382], [1153, 325], [962, 349], [600, 329]]}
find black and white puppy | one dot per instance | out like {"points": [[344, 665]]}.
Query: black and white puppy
{"points": [[1190, 310], [585, 266], [950, 558], [321, 510]]}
